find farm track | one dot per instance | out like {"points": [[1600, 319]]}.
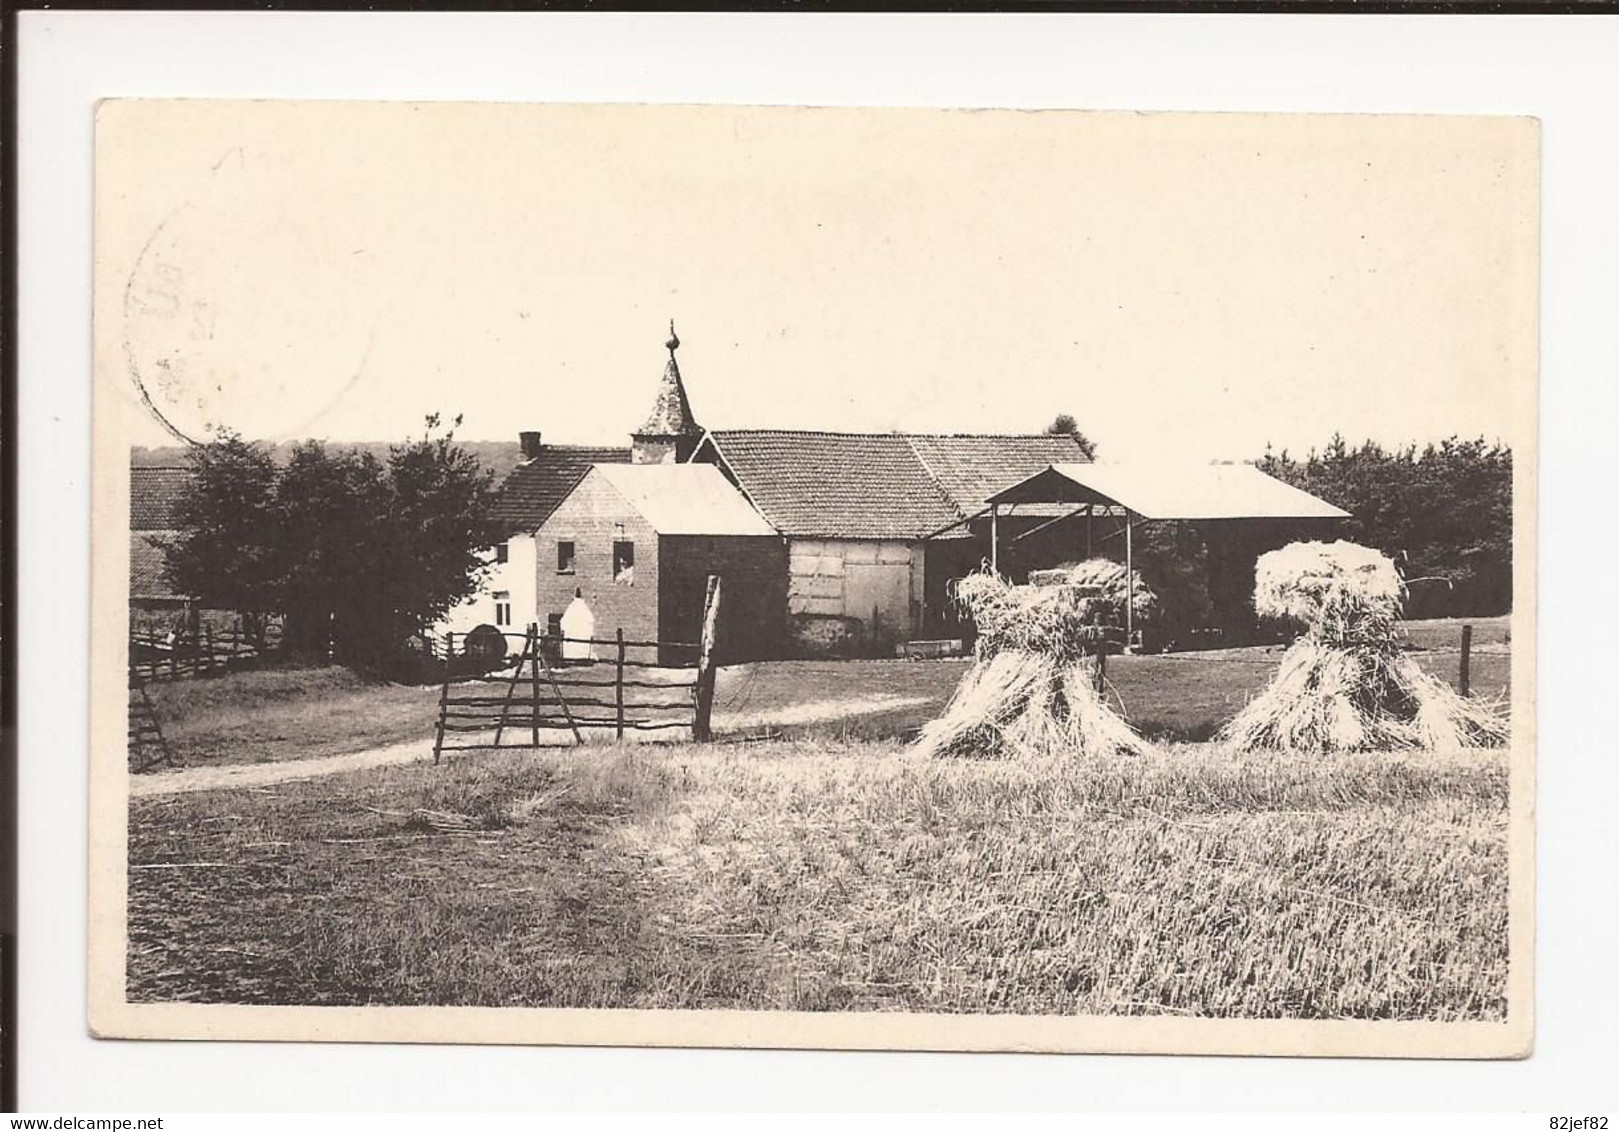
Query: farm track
{"points": [[243, 776]]}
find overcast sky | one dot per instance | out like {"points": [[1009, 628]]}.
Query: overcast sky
{"points": [[1194, 285]]}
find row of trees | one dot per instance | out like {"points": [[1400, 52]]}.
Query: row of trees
{"points": [[359, 554], [1442, 511]]}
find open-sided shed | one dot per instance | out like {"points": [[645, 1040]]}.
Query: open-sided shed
{"points": [[1157, 491]]}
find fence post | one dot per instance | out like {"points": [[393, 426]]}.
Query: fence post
{"points": [[1101, 664], [533, 643], [1467, 660], [705, 662], [618, 684], [444, 695]]}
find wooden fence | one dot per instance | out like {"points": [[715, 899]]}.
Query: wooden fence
{"points": [[623, 687], [178, 656], [148, 748]]}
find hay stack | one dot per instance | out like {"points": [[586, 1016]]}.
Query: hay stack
{"points": [[1032, 690], [1345, 684], [1109, 580]]}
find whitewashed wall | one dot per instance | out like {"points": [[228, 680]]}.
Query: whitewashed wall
{"points": [[514, 576]]}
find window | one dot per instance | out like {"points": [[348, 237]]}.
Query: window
{"points": [[501, 553], [624, 562], [503, 608], [564, 556]]}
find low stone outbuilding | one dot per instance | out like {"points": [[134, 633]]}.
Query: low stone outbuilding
{"points": [[638, 542]]}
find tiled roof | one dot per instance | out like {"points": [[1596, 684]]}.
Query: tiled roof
{"points": [[153, 494], [146, 578], [536, 487], [878, 485], [972, 468]]}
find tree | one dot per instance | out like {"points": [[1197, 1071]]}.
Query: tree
{"points": [[1065, 425], [222, 554], [358, 554], [1443, 511]]}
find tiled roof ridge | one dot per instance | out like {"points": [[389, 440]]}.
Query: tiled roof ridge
{"points": [[856, 433], [933, 476], [584, 448]]}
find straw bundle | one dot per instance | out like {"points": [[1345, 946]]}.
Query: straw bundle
{"points": [[1338, 592], [1032, 691], [1111, 581], [1345, 684]]}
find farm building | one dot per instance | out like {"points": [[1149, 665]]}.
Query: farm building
{"points": [[635, 531], [878, 524], [638, 542], [869, 529], [509, 597], [153, 496]]}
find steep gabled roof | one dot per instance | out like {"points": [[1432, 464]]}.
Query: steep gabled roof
{"points": [[878, 485], [535, 487], [153, 495], [684, 499], [671, 411]]}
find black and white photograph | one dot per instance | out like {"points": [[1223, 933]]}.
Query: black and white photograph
{"points": [[814, 577]]}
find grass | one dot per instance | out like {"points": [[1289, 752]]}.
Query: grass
{"points": [[816, 875], [274, 714]]}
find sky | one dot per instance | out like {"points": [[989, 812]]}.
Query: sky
{"points": [[1193, 285]]}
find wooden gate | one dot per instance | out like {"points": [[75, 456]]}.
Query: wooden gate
{"points": [[623, 688]]}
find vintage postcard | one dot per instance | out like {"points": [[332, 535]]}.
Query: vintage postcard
{"points": [[799, 577]]}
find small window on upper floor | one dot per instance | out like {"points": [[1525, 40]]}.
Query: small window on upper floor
{"points": [[624, 562], [564, 556], [501, 553]]}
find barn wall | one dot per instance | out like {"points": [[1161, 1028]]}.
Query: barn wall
{"points": [[753, 596], [848, 595], [590, 517]]}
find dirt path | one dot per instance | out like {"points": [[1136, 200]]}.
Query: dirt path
{"points": [[265, 774], [241, 776]]}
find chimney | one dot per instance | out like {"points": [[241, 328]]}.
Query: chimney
{"points": [[530, 442]]}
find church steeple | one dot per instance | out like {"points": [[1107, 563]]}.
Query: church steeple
{"points": [[670, 433]]}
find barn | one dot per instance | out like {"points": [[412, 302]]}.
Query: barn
{"points": [[879, 524]]}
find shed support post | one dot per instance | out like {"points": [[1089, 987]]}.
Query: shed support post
{"points": [[994, 538], [1129, 583]]}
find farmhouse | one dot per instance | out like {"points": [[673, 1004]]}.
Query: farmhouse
{"points": [[509, 598]]}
